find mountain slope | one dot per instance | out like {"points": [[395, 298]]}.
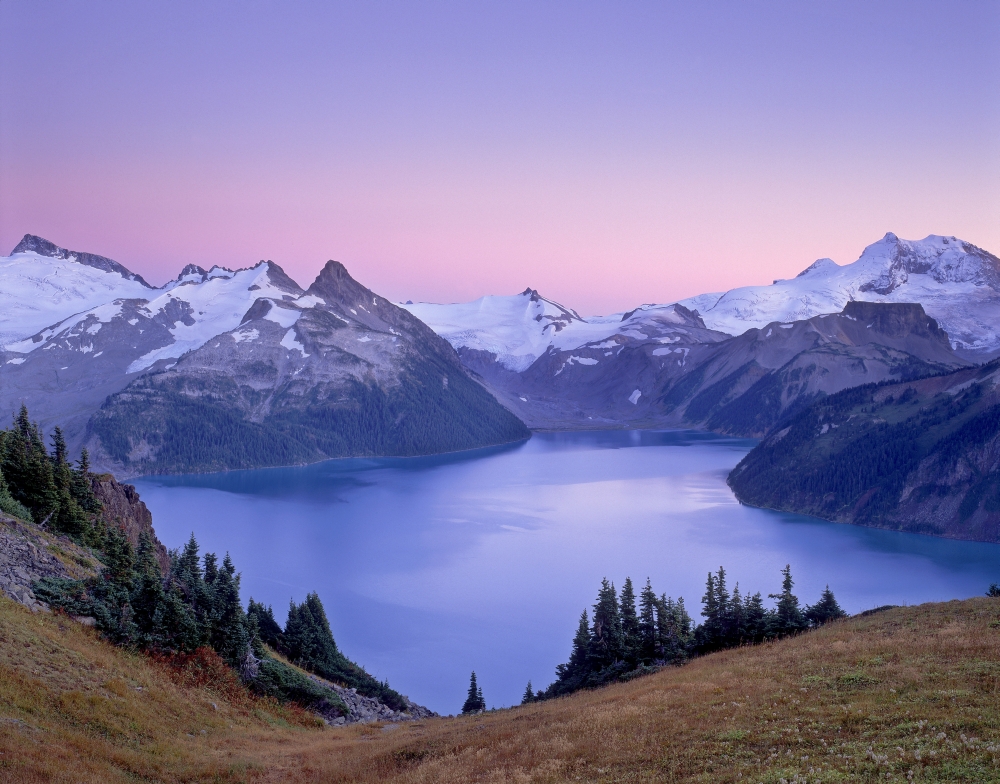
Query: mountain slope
{"points": [[672, 365], [41, 284], [906, 689], [335, 372], [957, 283], [920, 456], [216, 361], [745, 385]]}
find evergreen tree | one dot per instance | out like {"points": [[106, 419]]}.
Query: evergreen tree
{"points": [[606, 646], [148, 596], [787, 618], [230, 633], [529, 695], [69, 518], [474, 702], [631, 636], [267, 627], [673, 630], [648, 648], [755, 619], [7, 502], [26, 466], [825, 610]]}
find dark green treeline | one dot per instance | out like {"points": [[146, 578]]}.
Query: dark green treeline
{"points": [[627, 638]]}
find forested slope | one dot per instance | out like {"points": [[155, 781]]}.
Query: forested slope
{"points": [[920, 456]]}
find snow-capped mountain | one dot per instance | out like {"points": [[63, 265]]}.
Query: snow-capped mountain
{"points": [[42, 284], [957, 283], [555, 368], [516, 330], [237, 345]]}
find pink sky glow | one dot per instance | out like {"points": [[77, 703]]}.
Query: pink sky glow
{"points": [[606, 158]]}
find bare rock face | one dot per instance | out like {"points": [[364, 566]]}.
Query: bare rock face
{"points": [[124, 509], [364, 710], [28, 554]]}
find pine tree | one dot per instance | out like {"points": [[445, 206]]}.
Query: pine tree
{"points": [[673, 629], [68, 518], [606, 633], [647, 624], [474, 702], [28, 470], [147, 595], [268, 628], [230, 633], [755, 619], [788, 618], [631, 637], [529, 695], [825, 610]]}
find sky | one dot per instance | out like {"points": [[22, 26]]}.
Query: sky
{"points": [[605, 154]]}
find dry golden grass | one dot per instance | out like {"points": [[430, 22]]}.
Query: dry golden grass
{"points": [[908, 692]]}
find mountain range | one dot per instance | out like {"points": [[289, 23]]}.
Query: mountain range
{"points": [[927, 306], [228, 368], [225, 368]]}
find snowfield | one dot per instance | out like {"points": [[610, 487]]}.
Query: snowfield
{"points": [[37, 292], [518, 329], [957, 283]]}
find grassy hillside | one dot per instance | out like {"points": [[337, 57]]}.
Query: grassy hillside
{"points": [[872, 698]]}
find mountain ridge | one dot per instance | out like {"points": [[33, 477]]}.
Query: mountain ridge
{"points": [[356, 349]]}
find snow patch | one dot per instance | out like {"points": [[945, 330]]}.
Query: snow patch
{"points": [[285, 317], [245, 334], [16, 361], [634, 397], [290, 342]]}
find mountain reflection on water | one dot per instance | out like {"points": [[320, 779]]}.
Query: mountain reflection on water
{"points": [[432, 567]]}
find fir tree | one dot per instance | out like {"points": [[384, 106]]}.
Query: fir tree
{"points": [[606, 633], [755, 619], [529, 695], [825, 610], [28, 470], [631, 637], [787, 618], [474, 702], [648, 648], [268, 629], [230, 637], [148, 596]]}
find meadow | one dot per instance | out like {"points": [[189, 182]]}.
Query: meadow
{"points": [[905, 694]]}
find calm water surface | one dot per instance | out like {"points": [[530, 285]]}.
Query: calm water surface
{"points": [[432, 567]]}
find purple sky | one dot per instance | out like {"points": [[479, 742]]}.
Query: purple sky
{"points": [[606, 154]]}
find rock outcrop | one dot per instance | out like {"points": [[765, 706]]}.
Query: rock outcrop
{"points": [[27, 554], [364, 710], [125, 510]]}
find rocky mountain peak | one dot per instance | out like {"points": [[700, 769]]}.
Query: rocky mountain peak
{"points": [[335, 285], [895, 319], [32, 243]]}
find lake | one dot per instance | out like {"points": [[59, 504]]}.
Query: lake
{"points": [[432, 567]]}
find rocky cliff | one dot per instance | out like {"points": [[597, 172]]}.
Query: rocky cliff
{"points": [[123, 509]]}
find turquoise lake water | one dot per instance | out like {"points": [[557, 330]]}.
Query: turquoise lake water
{"points": [[432, 567]]}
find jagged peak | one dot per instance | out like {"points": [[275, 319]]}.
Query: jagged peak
{"points": [[32, 243]]}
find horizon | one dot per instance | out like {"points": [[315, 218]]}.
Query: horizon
{"points": [[183, 264], [602, 156]]}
